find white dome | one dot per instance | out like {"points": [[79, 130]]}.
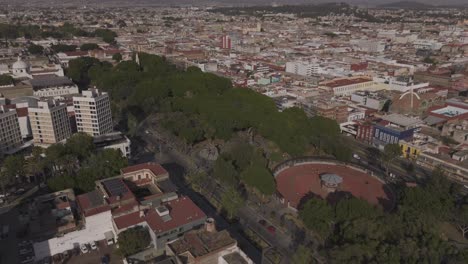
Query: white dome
{"points": [[20, 65]]}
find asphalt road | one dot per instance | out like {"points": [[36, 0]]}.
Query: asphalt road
{"points": [[398, 166], [160, 149], [176, 164]]}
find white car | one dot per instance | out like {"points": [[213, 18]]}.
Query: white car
{"points": [[84, 249], [93, 245], [356, 156]]}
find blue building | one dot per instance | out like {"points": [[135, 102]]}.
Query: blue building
{"points": [[384, 135]]}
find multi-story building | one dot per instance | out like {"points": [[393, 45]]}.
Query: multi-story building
{"points": [[332, 110], [205, 246], [369, 100], [226, 42], [142, 196], [302, 68], [10, 133], [93, 112], [114, 140], [49, 86], [49, 122], [347, 86]]}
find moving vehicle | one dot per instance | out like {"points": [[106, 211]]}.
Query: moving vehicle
{"points": [[271, 229], [262, 222]]}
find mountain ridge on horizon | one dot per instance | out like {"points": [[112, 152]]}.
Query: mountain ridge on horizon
{"points": [[370, 3]]}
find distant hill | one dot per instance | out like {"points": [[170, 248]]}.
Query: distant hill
{"points": [[407, 5], [105, 3]]}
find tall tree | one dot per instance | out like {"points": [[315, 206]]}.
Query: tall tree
{"points": [[133, 240], [260, 178], [390, 153], [232, 201], [317, 215], [303, 255]]}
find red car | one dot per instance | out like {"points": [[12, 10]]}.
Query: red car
{"points": [[271, 229]]}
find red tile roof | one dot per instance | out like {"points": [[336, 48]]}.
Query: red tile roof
{"points": [[22, 111], [153, 167], [128, 220], [344, 82], [87, 208], [182, 212]]}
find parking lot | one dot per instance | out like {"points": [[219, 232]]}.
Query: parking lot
{"points": [[95, 256], [102, 254]]}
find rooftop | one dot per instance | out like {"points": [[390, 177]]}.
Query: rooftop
{"points": [[155, 168], [344, 82], [50, 81], [402, 120], [201, 242], [181, 211]]}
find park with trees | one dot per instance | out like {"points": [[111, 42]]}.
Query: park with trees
{"points": [[65, 31], [198, 107], [353, 231], [76, 164]]}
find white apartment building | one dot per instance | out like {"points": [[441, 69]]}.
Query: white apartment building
{"points": [[49, 122], [427, 44], [10, 134], [302, 68], [368, 45], [93, 112]]}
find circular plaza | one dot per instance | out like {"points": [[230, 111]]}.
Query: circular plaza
{"points": [[302, 178]]}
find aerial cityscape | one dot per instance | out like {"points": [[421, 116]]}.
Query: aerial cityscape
{"points": [[233, 132]]}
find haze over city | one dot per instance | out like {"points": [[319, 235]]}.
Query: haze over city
{"points": [[214, 131]]}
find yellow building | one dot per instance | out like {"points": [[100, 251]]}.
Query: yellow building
{"points": [[410, 151]]}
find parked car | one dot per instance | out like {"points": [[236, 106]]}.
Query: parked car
{"points": [[262, 222], [93, 245], [271, 229], [356, 156], [105, 259], [84, 248], [20, 191]]}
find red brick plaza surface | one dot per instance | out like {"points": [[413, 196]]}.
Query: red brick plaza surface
{"points": [[295, 182]]}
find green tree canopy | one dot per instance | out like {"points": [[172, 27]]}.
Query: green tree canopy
{"points": [[232, 201], [260, 178], [318, 216], [63, 48], [35, 49], [133, 240], [117, 57], [6, 80], [89, 46]]}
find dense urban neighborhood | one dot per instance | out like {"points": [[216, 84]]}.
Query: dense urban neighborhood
{"points": [[215, 133]]}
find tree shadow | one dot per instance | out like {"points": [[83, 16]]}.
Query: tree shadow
{"points": [[334, 197], [389, 203], [306, 198]]}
